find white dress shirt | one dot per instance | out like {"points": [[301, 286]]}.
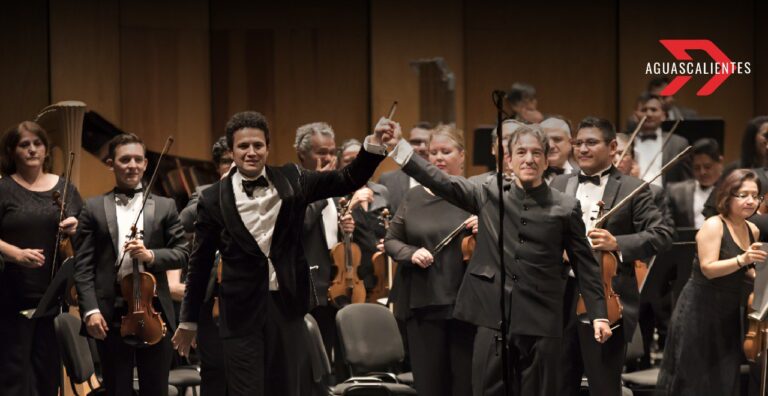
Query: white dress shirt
{"points": [[645, 152], [331, 223], [259, 214], [588, 195], [700, 196]]}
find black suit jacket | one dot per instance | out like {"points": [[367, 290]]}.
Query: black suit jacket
{"points": [[95, 271], [681, 202], [316, 251], [539, 224], [397, 184], [640, 232], [682, 170], [244, 285]]}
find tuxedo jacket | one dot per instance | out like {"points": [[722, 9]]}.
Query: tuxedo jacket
{"points": [[640, 230], [681, 202], [397, 183], [538, 225], [244, 285], [682, 170], [97, 253], [316, 251]]}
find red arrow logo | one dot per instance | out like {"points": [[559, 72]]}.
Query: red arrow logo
{"points": [[679, 48]]}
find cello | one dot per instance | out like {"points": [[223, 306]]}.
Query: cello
{"points": [[142, 325], [346, 287]]}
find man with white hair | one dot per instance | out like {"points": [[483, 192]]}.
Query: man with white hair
{"points": [[508, 126], [558, 131]]}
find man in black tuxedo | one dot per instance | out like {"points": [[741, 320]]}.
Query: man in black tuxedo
{"points": [[650, 141], [540, 224], [689, 197], [635, 232], [397, 182], [104, 225], [255, 217]]}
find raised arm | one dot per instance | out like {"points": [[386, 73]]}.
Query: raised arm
{"points": [[455, 189]]}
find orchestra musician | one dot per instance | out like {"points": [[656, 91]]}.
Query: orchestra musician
{"points": [[254, 217], [29, 222], [636, 232], [538, 222], [426, 284], [105, 223]]}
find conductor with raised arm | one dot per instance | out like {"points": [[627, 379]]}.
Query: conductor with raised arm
{"points": [[540, 223], [254, 217]]}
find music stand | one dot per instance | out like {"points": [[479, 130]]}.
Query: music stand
{"points": [[51, 301]]}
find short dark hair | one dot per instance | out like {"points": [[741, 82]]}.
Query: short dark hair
{"points": [[708, 147], [218, 149], [423, 125], [605, 127], [246, 119], [748, 157], [121, 140], [11, 139], [730, 185], [658, 82], [519, 92]]}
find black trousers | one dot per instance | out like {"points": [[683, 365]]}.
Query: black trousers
{"points": [[441, 355], [211, 351], [118, 360], [29, 356], [271, 360], [532, 365], [602, 363]]}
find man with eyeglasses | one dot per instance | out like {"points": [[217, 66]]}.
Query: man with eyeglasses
{"points": [[634, 232], [397, 182]]}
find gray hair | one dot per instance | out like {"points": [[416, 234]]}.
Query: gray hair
{"points": [[349, 143], [515, 124], [532, 129], [305, 132]]}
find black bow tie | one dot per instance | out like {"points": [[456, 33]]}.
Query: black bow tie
{"points": [[127, 192], [647, 137], [594, 179], [250, 185], [555, 170]]}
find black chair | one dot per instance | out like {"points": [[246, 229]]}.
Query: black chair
{"points": [[643, 381], [75, 352], [372, 347]]}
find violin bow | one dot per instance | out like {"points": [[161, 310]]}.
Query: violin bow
{"points": [[663, 144], [62, 210], [632, 139]]}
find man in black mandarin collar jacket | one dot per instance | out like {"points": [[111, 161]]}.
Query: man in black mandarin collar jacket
{"points": [[539, 224]]}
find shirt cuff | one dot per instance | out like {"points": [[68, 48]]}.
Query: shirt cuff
{"points": [[89, 313], [191, 326], [602, 320], [402, 152], [374, 148]]}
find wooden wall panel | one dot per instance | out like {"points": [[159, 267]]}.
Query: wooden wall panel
{"points": [[729, 27], [165, 74], [85, 66], [567, 52], [760, 64], [296, 64], [24, 79], [404, 31]]}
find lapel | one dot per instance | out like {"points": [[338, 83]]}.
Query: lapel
{"points": [[572, 185], [286, 193], [149, 219], [611, 192], [689, 190], [110, 213]]}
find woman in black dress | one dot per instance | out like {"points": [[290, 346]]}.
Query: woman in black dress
{"points": [[426, 285], [29, 221], [703, 351]]}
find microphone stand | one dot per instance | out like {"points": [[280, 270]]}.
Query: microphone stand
{"points": [[498, 101]]}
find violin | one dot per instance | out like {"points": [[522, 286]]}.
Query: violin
{"points": [[383, 267], [755, 343], [142, 325], [346, 287], [609, 263], [64, 251]]}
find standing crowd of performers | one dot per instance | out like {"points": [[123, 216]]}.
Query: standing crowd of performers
{"points": [[253, 250]]}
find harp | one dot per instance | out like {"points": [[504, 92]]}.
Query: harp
{"points": [[64, 123]]}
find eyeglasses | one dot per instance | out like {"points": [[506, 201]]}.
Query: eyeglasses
{"points": [[591, 143], [743, 196]]}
